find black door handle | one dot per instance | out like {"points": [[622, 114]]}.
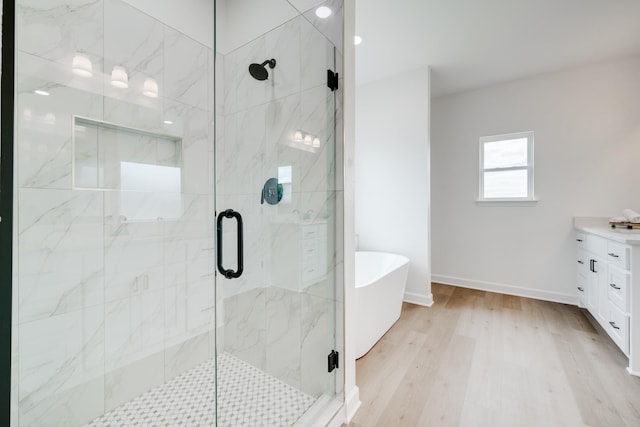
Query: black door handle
{"points": [[230, 274]]}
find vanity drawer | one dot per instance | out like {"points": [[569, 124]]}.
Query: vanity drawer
{"points": [[313, 231], [309, 247], [582, 288], [309, 231], [618, 254], [581, 240], [618, 288], [618, 327], [310, 272]]}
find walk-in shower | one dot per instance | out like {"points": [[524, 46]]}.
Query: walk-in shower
{"points": [[259, 71], [151, 286]]}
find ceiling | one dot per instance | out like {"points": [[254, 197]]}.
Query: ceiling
{"points": [[475, 43]]}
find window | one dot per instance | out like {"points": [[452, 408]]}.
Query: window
{"points": [[506, 167]]}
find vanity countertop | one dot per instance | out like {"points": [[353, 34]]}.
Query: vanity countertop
{"points": [[601, 227]]}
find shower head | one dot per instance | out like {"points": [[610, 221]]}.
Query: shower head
{"points": [[259, 72]]}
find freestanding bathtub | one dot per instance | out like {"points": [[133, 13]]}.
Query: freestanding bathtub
{"points": [[381, 279]]}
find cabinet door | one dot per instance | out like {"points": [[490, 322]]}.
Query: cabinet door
{"points": [[602, 285], [593, 287], [582, 290]]}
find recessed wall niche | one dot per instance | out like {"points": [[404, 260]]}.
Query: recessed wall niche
{"points": [[132, 164]]}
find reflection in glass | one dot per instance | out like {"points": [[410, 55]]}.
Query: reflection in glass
{"points": [[162, 181]]}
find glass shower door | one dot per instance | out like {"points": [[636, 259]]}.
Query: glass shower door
{"points": [[276, 152]]}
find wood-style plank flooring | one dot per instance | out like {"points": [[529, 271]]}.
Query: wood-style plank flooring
{"points": [[483, 359]]}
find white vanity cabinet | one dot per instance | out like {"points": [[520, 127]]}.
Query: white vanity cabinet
{"points": [[608, 272], [602, 284]]}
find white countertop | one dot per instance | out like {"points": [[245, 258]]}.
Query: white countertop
{"points": [[601, 227]]}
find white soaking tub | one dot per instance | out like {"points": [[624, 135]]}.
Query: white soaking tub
{"points": [[381, 279]]}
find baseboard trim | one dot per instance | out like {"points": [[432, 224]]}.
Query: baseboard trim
{"points": [[418, 299], [506, 289], [632, 372], [352, 403]]}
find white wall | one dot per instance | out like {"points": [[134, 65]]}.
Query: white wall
{"points": [[351, 390], [392, 173], [587, 151]]}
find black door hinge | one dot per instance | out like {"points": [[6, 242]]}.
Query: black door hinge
{"points": [[332, 80], [333, 360]]}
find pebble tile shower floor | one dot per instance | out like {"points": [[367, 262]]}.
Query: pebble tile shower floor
{"points": [[248, 397]]}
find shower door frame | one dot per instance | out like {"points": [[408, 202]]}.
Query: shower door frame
{"points": [[6, 206]]}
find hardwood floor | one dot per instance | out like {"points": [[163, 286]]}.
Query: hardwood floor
{"points": [[483, 359]]}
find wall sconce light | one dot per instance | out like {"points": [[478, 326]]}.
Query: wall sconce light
{"points": [[316, 142], [150, 88], [308, 140], [297, 136], [119, 78], [81, 65]]}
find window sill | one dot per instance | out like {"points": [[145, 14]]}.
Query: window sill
{"points": [[507, 203]]}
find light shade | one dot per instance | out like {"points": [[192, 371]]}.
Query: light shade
{"points": [[308, 140], [81, 65], [323, 12], [119, 78], [297, 136], [316, 142], [150, 88], [357, 40]]}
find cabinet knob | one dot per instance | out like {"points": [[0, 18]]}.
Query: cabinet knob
{"points": [[611, 254], [580, 289], [613, 325], [580, 262], [613, 285], [578, 240]]}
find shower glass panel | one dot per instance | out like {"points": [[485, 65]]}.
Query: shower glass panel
{"points": [[137, 124], [278, 140], [114, 281]]}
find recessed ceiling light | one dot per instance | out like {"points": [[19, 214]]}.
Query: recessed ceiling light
{"points": [[323, 12], [41, 92], [357, 40]]}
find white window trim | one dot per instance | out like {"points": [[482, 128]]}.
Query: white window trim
{"points": [[530, 199]]}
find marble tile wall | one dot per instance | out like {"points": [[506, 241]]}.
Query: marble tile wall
{"points": [[285, 333], [106, 307]]}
